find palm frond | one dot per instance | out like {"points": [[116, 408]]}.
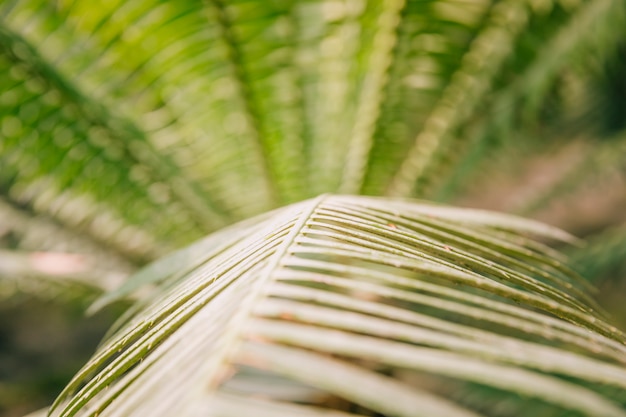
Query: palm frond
{"points": [[370, 101], [67, 130], [248, 108], [468, 85], [563, 65], [22, 229], [344, 295], [586, 34], [521, 90], [261, 51], [53, 274], [129, 129], [433, 37]]}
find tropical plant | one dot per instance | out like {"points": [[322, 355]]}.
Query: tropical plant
{"points": [[360, 299], [130, 129]]}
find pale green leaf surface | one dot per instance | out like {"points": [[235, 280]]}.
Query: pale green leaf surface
{"points": [[440, 362], [229, 405], [146, 124], [180, 262], [350, 382], [304, 284]]}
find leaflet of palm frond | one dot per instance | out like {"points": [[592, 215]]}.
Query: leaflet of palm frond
{"points": [[54, 275], [162, 96], [329, 291], [49, 261], [517, 107], [68, 131], [30, 232], [463, 94], [25, 191], [480, 144], [492, 403], [588, 32], [432, 38], [261, 53], [371, 96]]}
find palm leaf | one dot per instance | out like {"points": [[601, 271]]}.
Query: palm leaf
{"points": [[471, 82], [351, 296], [128, 129], [543, 84], [213, 112], [46, 259]]}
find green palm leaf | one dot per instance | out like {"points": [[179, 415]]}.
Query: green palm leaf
{"points": [[356, 298], [193, 115], [130, 129]]}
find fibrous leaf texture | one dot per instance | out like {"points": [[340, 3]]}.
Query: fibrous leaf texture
{"points": [[346, 306]]}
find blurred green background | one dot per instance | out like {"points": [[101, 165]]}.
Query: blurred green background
{"points": [[131, 128]]}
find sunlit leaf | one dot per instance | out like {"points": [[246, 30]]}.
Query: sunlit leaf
{"points": [[344, 295]]}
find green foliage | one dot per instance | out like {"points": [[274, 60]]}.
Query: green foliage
{"points": [[356, 297], [129, 129]]}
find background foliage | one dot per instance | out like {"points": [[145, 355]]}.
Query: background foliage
{"points": [[128, 129]]}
